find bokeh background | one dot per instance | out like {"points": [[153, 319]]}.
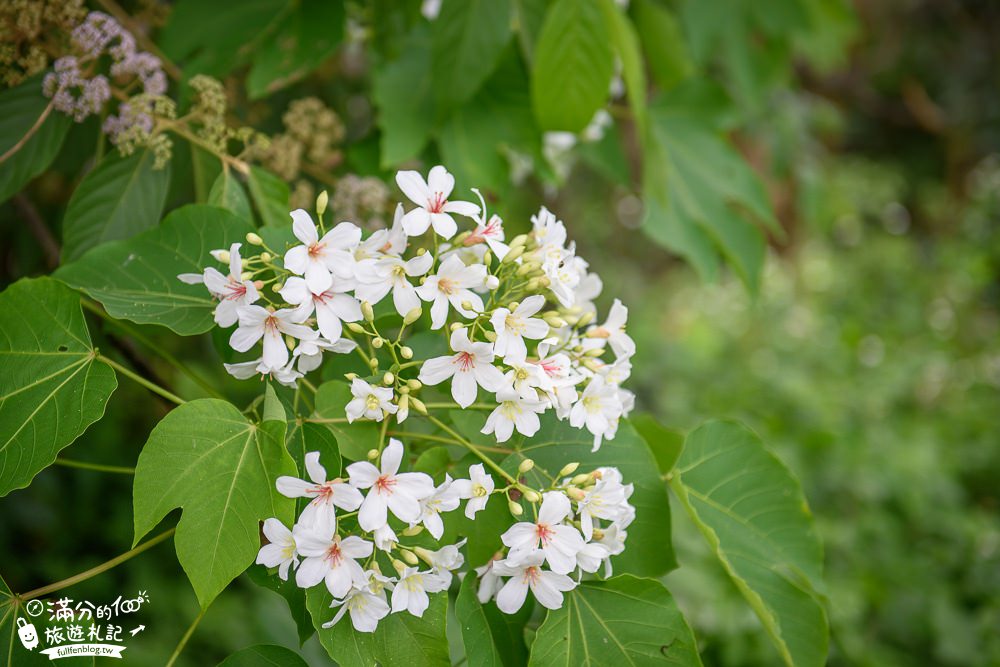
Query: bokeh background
{"points": [[869, 359]]}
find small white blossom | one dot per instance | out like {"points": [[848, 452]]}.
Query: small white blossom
{"points": [[444, 499], [411, 591], [476, 489], [514, 412], [431, 198], [280, 552], [369, 402], [470, 367], [512, 327], [328, 557], [559, 543], [257, 322], [366, 608], [453, 284], [527, 573], [375, 279], [390, 489], [599, 409], [325, 493], [332, 307], [318, 258]]}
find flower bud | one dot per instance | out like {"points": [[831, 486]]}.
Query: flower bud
{"points": [[490, 335], [596, 352], [259, 284], [418, 405], [515, 508], [246, 275], [372, 454], [367, 311], [569, 469], [290, 342], [487, 258], [526, 465], [455, 326], [398, 565], [528, 267], [406, 352], [458, 240], [412, 316], [351, 377], [277, 287], [403, 406], [355, 327], [321, 201], [415, 530], [534, 285], [404, 390], [388, 378], [582, 478], [254, 239], [373, 363], [598, 535], [414, 385], [424, 554], [518, 241], [543, 281], [421, 252], [576, 493], [377, 342], [555, 321], [512, 306], [492, 282], [467, 305], [409, 556], [585, 319], [532, 496], [265, 257], [514, 254]]}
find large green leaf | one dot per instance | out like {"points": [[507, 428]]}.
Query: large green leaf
{"points": [[648, 551], [662, 42], [626, 43], [137, 279], [208, 459], [491, 637], [354, 440], [263, 655], [754, 517], [52, 386], [307, 37], [403, 92], [702, 198], [121, 197], [294, 597], [574, 62], [469, 37], [622, 621], [270, 196], [228, 193], [401, 640], [20, 110]]}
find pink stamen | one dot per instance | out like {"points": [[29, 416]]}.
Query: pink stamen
{"points": [[465, 361], [436, 205]]}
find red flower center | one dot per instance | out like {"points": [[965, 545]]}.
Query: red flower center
{"points": [[436, 204]]}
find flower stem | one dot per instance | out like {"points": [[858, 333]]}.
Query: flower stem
{"points": [[94, 571], [184, 640], [448, 441], [99, 467], [155, 388], [472, 448]]}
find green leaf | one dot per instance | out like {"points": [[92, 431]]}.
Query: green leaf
{"points": [[20, 110], [754, 517], [663, 44], [622, 621], [401, 640], [263, 655], [121, 197], [557, 443], [308, 437], [274, 419], [52, 386], [306, 38], [293, 596], [434, 462], [702, 197], [491, 637], [665, 443], [626, 43], [228, 193], [354, 440], [137, 279], [270, 196], [205, 457], [529, 15], [469, 37], [573, 66], [403, 92]]}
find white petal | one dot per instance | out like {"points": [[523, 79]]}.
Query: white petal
{"points": [[414, 187], [363, 474], [511, 596], [303, 226]]}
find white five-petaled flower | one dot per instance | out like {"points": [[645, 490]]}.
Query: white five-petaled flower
{"points": [[328, 557], [369, 402], [613, 330], [366, 608], [431, 198], [231, 291], [376, 278], [547, 587], [280, 552], [606, 500], [513, 326], [476, 489], [470, 367], [489, 583], [317, 257], [590, 557], [325, 493], [560, 543], [444, 499], [453, 284], [598, 409], [514, 411], [333, 307], [390, 489], [444, 560], [412, 588], [310, 352], [257, 322]]}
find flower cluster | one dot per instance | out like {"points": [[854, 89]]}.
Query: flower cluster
{"points": [[521, 315], [343, 552]]}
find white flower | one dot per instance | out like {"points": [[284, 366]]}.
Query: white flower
{"points": [[444, 560], [257, 322], [328, 557], [588, 289], [613, 330], [598, 409], [332, 306], [606, 500], [399, 492], [477, 489], [548, 230], [512, 327], [513, 412], [369, 402], [375, 279], [547, 587], [325, 493], [280, 552], [591, 556], [444, 499], [310, 352], [453, 284], [366, 608], [431, 198], [490, 233], [231, 291], [526, 378], [611, 538], [489, 582], [560, 543], [411, 591], [470, 367], [385, 538], [316, 258], [564, 278], [382, 241]]}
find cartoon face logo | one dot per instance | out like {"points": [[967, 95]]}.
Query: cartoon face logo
{"points": [[26, 631]]}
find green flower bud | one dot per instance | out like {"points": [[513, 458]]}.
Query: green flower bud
{"points": [[569, 469], [254, 239], [406, 352], [412, 316], [367, 311], [321, 201], [515, 508], [526, 465]]}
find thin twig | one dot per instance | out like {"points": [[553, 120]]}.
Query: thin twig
{"points": [[99, 467], [30, 133], [184, 640]]}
